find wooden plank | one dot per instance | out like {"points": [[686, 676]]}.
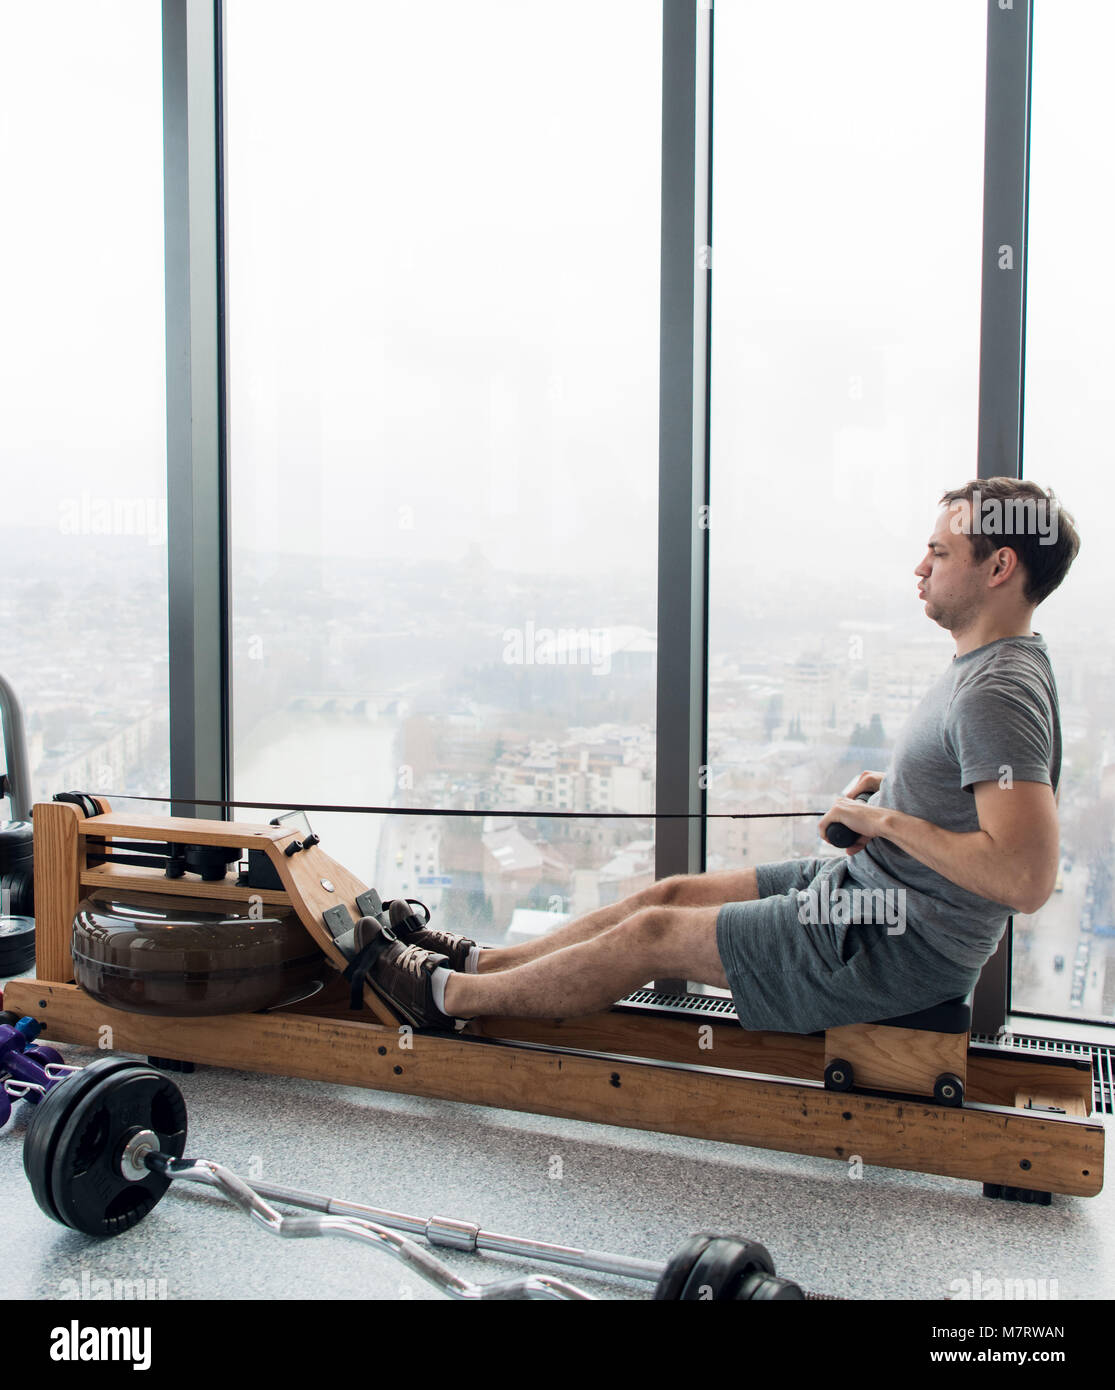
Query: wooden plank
{"points": [[117, 878], [181, 830], [998, 1080], [981, 1143], [699, 1041], [57, 886], [897, 1059], [991, 1080], [315, 883]]}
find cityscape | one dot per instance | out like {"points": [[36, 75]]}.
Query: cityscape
{"points": [[461, 687]]}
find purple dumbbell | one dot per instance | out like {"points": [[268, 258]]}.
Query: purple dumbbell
{"points": [[23, 1061]]}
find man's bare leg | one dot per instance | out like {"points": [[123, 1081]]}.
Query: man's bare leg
{"points": [[590, 975], [680, 890]]}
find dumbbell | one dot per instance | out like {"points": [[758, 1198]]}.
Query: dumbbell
{"points": [[103, 1147], [28, 1069], [839, 835]]}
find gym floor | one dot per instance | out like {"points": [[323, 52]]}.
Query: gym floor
{"points": [[887, 1235]]}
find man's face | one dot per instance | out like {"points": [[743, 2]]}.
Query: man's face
{"points": [[953, 586]]}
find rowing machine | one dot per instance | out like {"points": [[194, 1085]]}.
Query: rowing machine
{"points": [[1022, 1126]]}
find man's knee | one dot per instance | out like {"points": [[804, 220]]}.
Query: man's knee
{"points": [[648, 928], [666, 892]]}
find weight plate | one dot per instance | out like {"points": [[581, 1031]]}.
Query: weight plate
{"points": [[677, 1271], [46, 1123], [87, 1188], [17, 945], [14, 931], [721, 1267], [17, 840], [15, 963]]}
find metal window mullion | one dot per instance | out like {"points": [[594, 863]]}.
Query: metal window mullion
{"points": [[197, 578], [1003, 290], [683, 480], [683, 463], [1002, 326]]}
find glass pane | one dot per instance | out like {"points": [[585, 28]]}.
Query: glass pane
{"points": [[1063, 955], [443, 280], [83, 593], [846, 299]]}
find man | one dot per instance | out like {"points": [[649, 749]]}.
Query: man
{"points": [[960, 832]]}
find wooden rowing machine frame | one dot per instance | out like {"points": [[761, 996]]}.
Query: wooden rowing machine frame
{"points": [[1024, 1123]]}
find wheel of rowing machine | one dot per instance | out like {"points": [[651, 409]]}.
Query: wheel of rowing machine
{"points": [[839, 1075], [716, 1269], [948, 1090], [77, 1136]]}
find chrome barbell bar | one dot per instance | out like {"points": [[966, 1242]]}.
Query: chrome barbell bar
{"points": [[141, 1155]]}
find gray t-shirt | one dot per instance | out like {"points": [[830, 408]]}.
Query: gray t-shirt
{"points": [[993, 714]]}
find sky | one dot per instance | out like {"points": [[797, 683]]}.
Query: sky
{"points": [[443, 275]]}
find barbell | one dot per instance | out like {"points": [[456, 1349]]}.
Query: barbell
{"points": [[105, 1143]]}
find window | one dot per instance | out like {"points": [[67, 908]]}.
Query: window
{"points": [[443, 307], [1070, 395], [845, 346], [82, 392]]}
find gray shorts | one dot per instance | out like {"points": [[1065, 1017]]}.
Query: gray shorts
{"points": [[792, 971]]}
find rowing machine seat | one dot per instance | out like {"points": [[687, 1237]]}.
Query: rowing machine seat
{"points": [[953, 1016]]}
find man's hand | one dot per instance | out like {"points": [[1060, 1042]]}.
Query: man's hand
{"points": [[866, 782], [866, 821]]}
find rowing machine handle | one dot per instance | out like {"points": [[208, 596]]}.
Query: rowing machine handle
{"points": [[839, 835]]}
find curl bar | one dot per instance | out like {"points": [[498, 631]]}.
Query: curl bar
{"points": [[105, 1143]]}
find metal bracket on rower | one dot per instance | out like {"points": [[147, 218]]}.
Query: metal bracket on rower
{"points": [[369, 903], [341, 928]]}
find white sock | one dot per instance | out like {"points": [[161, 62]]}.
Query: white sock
{"points": [[472, 964], [438, 980]]}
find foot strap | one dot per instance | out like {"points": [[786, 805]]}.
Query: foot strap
{"points": [[358, 967], [411, 921]]}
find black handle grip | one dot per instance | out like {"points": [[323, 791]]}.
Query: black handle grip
{"points": [[839, 835]]}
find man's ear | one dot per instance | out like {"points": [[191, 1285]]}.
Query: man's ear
{"points": [[1006, 562]]}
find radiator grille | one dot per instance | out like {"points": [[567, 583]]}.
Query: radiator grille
{"points": [[720, 1006]]}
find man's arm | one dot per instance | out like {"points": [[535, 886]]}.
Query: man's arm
{"points": [[1012, 858]]}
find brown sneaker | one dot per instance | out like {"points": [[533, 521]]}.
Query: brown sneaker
{"points": [[416, 931], [398, 972]]}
